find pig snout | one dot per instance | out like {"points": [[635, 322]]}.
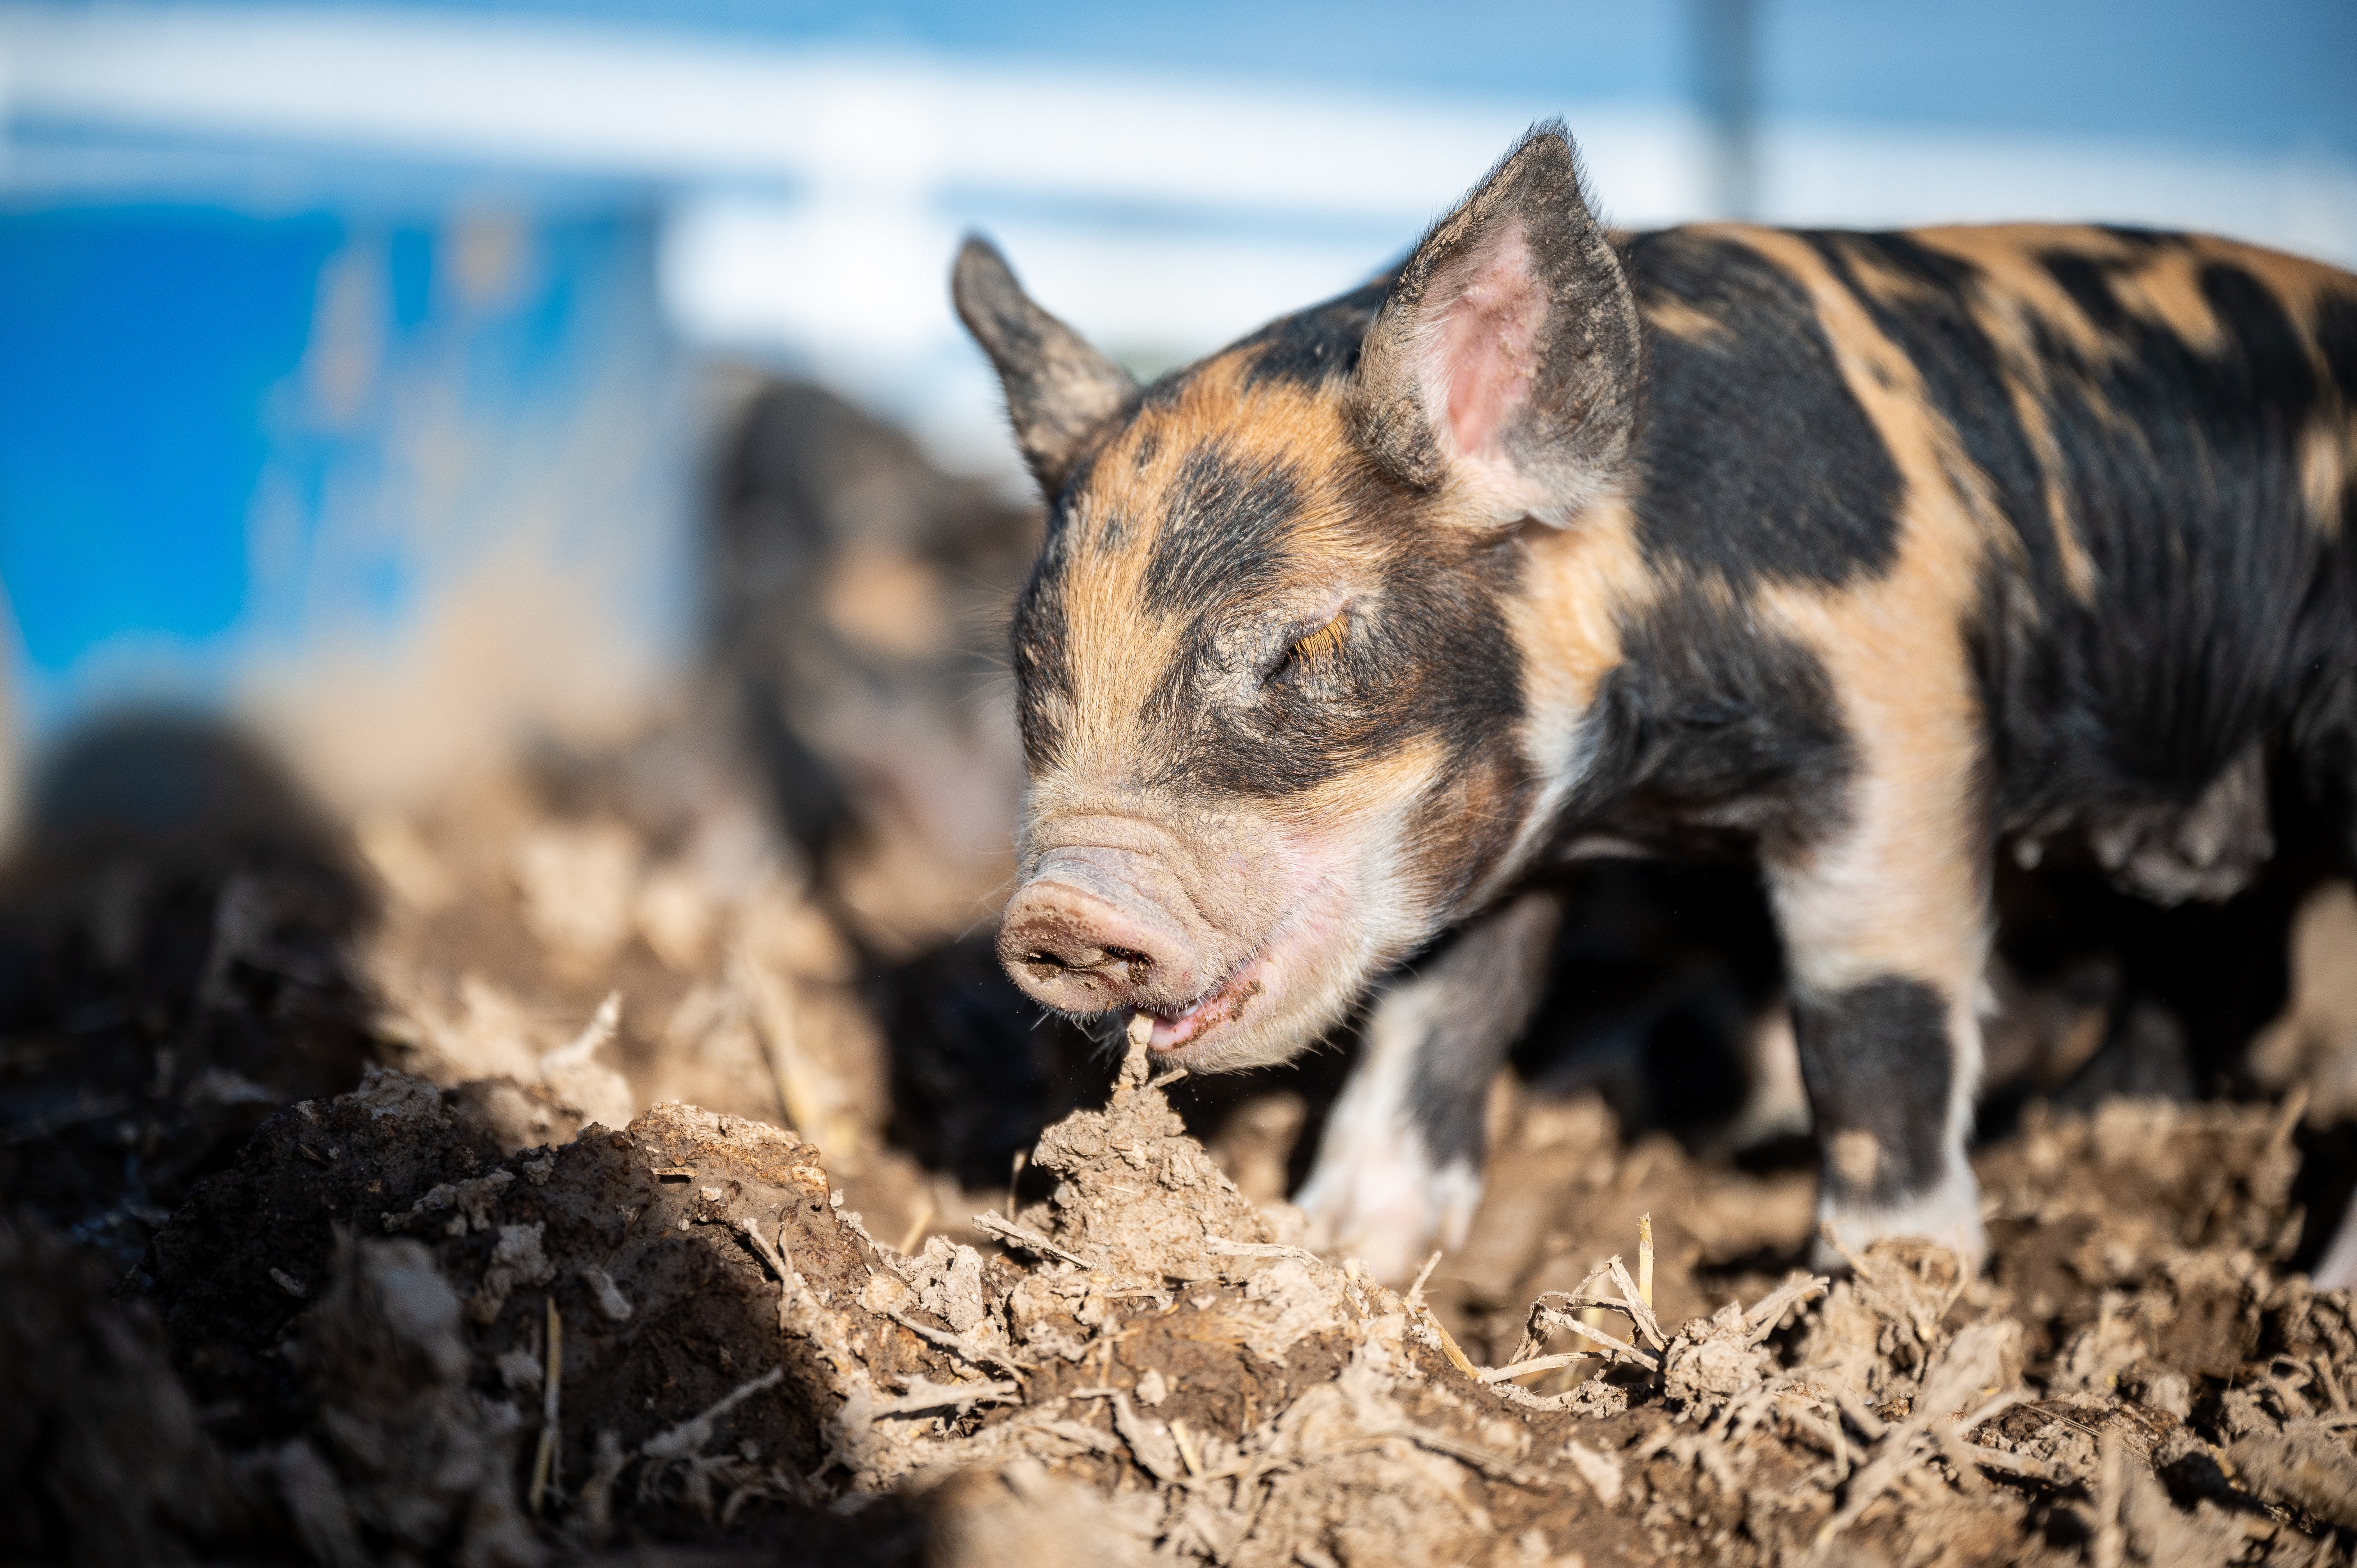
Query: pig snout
{"points": [[1094, 929]]}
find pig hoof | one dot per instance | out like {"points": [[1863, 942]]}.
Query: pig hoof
{"points": [[1948, 1215], [1390, 1210]]}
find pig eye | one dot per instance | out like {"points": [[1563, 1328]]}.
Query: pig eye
{"points": [[1313, 652]]}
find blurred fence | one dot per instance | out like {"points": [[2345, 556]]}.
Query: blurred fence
{"points": [[347, 353]]}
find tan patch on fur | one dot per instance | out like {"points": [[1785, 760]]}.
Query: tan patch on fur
{"points": [[2326, 468], [1683, 321], [2167, 291], [2005, 255], [2016, 294], [1855, 1156], [1901, 891], [1576, 585], [1119, 652], [1875, 276]]}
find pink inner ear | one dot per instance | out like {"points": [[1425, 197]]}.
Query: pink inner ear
{"points": [[1486, 346]]}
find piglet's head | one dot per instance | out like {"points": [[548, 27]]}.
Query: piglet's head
{"points": [[1272, 692]]}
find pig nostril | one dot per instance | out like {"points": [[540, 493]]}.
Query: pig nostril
{"points": [[1046, 965], [1136, 963]]}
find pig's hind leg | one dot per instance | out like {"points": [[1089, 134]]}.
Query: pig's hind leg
{"points": [[1399, 1168]]}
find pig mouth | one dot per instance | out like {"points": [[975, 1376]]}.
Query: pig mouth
{"points": [[1179, 1038]]}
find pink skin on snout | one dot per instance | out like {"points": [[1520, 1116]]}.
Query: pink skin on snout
{"points": [[1098, 929]]}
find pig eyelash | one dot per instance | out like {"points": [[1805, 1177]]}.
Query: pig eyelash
{"points": [[1316, 649]]}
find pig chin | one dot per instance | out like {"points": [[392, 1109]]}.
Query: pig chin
{"points": [[1297, 985]]}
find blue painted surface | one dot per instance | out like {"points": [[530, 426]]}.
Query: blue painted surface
{"points": [[136, 350], [227, 439]]}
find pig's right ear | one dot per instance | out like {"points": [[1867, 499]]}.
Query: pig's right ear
{"points": [[1502, 367], [1058, 389]]}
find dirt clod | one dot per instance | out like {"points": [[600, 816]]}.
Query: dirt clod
{"points": [[102, 1457]]}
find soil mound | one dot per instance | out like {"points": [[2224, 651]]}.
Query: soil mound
{"points": [[419, 1346]]}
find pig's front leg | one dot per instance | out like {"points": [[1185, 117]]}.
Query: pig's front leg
{"points": [[1885, 931], [1399, 1168]]}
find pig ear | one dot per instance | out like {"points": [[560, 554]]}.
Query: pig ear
{"points": [[1505, 356], [1058, 389]]}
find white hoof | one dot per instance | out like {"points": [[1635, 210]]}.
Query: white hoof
{"points": [[1949, 1215], [1389, 1209]]}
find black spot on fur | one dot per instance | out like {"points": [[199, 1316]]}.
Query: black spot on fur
{"points": [[2267, 364], [2178, 470], [1314, 346], [1713, 736], [1878, 1059], [2141, 239], [1039, 642], [1754, 459], [2088, 282], [1223, 526], [2336, 339], [1426, 652], [1448, 1103], [1961, 370]]}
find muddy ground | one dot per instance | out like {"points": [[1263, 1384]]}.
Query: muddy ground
{"points": [[359, 1238], [633, 1159]]}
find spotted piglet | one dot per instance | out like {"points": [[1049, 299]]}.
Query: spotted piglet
{"points": [[1862, 557]]}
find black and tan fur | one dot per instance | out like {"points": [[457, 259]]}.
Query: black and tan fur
{"points": [[1861, 556]]}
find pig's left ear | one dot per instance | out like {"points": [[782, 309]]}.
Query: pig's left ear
{"points": [[1505, 356], [1058, 389]]}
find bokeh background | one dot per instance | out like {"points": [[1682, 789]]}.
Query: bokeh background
{"points": [[363, 369]]}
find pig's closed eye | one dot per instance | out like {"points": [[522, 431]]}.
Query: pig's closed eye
{"points": [[1315, 651]]}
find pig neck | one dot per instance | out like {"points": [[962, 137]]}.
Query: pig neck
{"points": [[1664, 716]]}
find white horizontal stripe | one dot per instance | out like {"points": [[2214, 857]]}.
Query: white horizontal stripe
{"points": [[608, 100], [572, 96]]}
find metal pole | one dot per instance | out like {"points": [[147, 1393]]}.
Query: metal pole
{"points": [[1727, 51]]}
